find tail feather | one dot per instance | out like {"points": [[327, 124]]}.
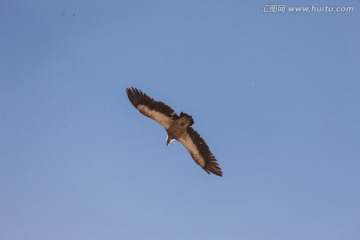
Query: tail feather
{"points": [[182, 114]]}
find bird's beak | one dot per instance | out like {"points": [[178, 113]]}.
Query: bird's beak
{"points": [[168, 140]]}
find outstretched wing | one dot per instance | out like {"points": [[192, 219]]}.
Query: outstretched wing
{"points": [[200, 151], [158, 111]]}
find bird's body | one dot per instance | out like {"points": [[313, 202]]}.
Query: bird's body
{"points": [[177, 127]]}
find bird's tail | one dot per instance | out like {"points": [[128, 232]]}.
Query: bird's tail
{"points": [[182, 114]]}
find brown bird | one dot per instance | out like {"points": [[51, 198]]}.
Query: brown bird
{"points": [[177, 127]]}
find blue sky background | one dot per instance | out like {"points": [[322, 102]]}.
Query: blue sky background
{"points": [[276, 97]]}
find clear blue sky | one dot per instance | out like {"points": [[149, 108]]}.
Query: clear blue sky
{"points": [[275, 95]]}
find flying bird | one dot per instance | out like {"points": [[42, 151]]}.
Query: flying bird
{"points": [[178, 127]]}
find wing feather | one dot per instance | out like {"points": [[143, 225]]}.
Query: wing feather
{"points": [[200, 152], [156, 110]]}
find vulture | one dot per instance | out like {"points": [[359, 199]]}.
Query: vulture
{"points": [[178, 127]]}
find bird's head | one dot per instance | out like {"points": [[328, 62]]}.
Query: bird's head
{"points": [[169, 139]]}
